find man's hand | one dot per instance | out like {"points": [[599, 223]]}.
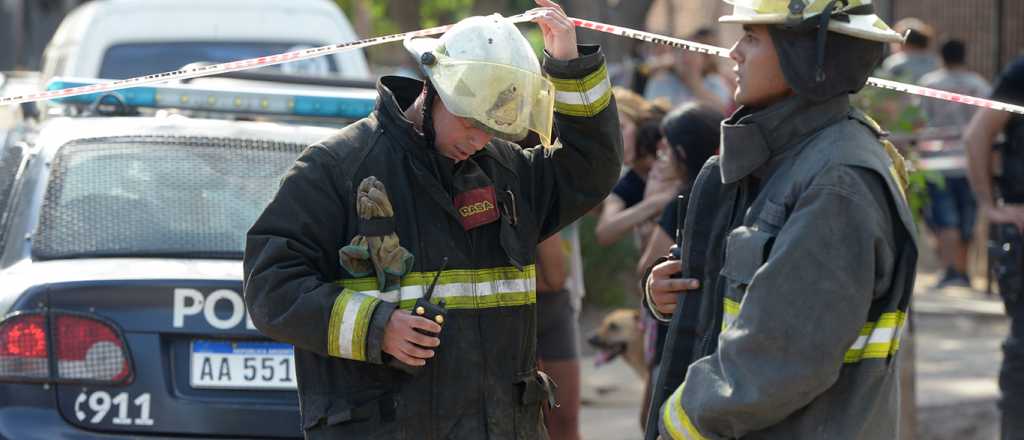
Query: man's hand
{"points": [[665, 290], [1009, 213], [559, 32], [663, 181], [402, 341]]}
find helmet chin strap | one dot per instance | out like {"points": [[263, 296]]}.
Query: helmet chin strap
{"points": [[428, 115], [796, 21], [823, 19]]}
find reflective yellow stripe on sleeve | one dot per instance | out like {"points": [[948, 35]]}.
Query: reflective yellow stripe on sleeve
{"points": [[350, 318], [730, 310], [879, 339], [585, 96], [675, 420], [460, 288]]}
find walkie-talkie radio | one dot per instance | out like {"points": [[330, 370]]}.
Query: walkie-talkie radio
{"points": [[429, 310]]}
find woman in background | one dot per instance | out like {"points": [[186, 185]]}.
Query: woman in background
{"points": [[637, 200]]}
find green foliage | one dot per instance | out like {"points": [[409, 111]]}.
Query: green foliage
{"points": [[894, 111], [536, 39], [438, 12], [917, 193], [431, 13], [434, 13], [608, 271], [382, 24], [521, 5], [901, 114]]}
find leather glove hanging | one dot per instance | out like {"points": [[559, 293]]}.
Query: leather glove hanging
{"points": [[376, 248]]}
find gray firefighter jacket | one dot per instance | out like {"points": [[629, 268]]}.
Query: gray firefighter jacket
{"points": [[485, 215], [809, 270]]}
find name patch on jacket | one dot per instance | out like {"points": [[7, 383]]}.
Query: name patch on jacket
{"points": [[477, 207]]}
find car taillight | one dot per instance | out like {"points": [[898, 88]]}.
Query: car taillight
{"points": [[89, 349], [23, 352], [85, 349]]}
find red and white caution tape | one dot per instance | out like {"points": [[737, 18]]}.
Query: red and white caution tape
{"points": [[215, 69], [877, 82], [233, 66], [651, 37], [343, 47], [945, 96]]}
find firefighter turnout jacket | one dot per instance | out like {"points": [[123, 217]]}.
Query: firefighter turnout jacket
{"points": [[485, 215], [809, 270]]}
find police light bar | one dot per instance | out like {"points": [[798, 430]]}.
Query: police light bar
{"points": [[348, 103]]}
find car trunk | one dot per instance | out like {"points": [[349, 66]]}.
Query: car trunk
{"points": [[198, 365]]}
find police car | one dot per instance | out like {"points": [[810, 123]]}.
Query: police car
{"points": [[121, 238]]}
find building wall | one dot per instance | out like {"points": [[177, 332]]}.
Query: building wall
{"points": [[992, 29], [1013, 31]]}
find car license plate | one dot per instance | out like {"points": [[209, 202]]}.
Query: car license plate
{"points": [[242, 365]]}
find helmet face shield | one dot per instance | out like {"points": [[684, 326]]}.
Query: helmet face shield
{"points": [[505, 101], [762, 6]]}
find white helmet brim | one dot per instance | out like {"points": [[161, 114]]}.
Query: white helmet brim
{"points": [[868, 27]]}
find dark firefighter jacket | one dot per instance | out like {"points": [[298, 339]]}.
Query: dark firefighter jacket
{"points": [[482, 382], [808, 273]]}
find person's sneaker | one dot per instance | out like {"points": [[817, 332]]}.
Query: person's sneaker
{"points": [[953, 278]]}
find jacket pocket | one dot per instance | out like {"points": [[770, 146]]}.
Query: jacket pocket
{"points": [[534, 388], [517, 228], [335, 414], [745, 251]]}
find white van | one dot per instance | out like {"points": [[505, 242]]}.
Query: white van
{"points": [[116, 39]]}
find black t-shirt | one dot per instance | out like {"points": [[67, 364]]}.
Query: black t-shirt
{"points": [[1010, 88], [630, 188]]}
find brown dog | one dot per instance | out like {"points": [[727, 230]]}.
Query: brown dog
{"points": [[621, 334]]}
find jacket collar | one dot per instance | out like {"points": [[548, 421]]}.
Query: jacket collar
{"points": [[753, 138], [395, 95]]}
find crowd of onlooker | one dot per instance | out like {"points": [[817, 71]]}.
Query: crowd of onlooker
{"points": [[950, 211]]}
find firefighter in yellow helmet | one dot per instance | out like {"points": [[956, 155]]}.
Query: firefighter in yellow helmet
{"points": [[398, 255], [801, 261]]}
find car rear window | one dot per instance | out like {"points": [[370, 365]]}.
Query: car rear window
{"points": [[171, 197]]}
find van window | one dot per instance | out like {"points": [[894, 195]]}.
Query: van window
{"points": [[139, 59]]}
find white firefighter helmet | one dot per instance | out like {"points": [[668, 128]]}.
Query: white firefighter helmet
{"points": [[855, 18], [484, 70]]}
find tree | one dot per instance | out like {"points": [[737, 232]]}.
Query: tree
{"points": [[372, 18]]}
